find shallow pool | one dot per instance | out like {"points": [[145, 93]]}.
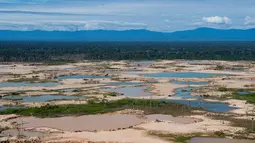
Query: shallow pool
{"points": [[8, 107], [40, 98], [184, 93], [182, 75], [209, 106], [198, 101], [190, 82], [242, 92], [22, 84], [131, 91], [80, 77]]}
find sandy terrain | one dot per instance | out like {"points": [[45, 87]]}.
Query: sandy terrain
{"points": [[244, 108], [241, 105], [207, 125], [165, 89], [169, 118], [82, 123], [3, 121], [121, 136], [234, 83], [71, 84], [214, 140], [78, 128]]}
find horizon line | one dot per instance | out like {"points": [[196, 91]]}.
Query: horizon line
{"points": [[127, 30]]}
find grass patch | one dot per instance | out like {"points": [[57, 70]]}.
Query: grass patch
{"points": [[220, 134], [31, 80], [184, 138], [224, 89], [76, 90], [15, 93], [219, 67], [111, 94], [245, 123], [179, 138], [95, 107], [250, 97]]}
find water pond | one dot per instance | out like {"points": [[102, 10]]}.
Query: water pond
{"points": [[40, 98], [181, 75], [8, 107], [209, 106], [184, 93], [131, 91], [189, 82], [198, 102], [242, 92], [22, 84]]}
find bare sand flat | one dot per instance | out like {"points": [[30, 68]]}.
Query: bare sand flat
{"points": [[120, 136], [205, 125], [165, 89], [14, 132], [180, 120], [82, 123]]}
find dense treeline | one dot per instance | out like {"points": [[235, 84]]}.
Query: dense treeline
{"points": [[70, 51]]}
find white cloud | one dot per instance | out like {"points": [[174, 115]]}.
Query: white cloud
{"points": [[217, 20], [166, 15], [112, 25], [70, 25], [167, 21], [249, 20]]}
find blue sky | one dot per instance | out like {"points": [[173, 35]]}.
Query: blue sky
{"points": [[155, 15]]}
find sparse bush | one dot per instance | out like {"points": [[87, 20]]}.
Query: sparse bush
{"points": [[112, 94], [220, 133]]}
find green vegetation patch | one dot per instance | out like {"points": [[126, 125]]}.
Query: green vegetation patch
{"points": [[111, 94], [249, 97], [64, 52], [96, 107], [224, 89], [31, 80], [179, 138], [184, 138], [249, 125]]}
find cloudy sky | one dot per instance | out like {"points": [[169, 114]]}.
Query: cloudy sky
{"points": [[155, 15]]}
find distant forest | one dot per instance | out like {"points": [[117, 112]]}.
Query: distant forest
{"points": [[74, 51]]}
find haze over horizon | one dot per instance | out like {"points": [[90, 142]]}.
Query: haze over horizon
{"points": [[161, 15]]}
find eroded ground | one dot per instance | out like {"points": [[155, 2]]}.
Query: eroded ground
{"points": [[217, 96]]}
